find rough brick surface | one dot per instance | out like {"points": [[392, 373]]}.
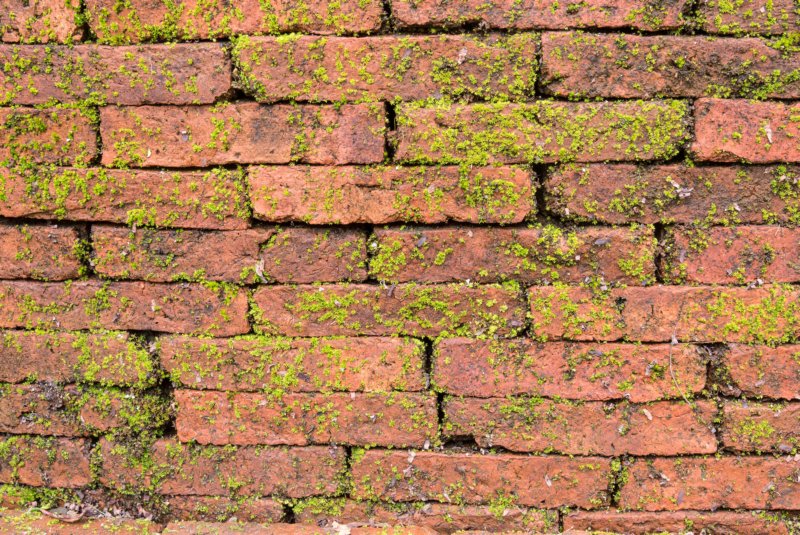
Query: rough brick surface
{"points": [[28, 460], [765, 371], [57, 135], [749, 17], [41, 21], [39, 252], [724, 523], [760, 427]]}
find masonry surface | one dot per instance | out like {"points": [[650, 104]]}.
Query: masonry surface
{"points": [[400, 266]]}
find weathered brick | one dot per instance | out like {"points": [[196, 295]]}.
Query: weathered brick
{"points": [[299, 255], [600, 372], [712, 483], [238, 528], [756, 132], [721, 523], [295, 365], [734, 255], [179, 308], [33, 521], [159, 20], [760, 427], [531, 14], [635, 66], [55, 135], [391, 419], [594, 428], [545, 131], [214, 199], [547, 481], [322, 69], [693, 314], [30, 461], [42, 21], [190, 470], [442, 517], [224, 508], [245, 132], [159, 74], [409, 309], [536, 255], [109, 358], [39, 252], [766, 17], [772, 372], [378, 195], [674, 194]]}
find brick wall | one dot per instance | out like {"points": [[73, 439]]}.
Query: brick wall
{"points": [[494, 265]]}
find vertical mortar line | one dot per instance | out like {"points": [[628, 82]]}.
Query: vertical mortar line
{"points": [[538, 174], [391, 131], [660, 233], [387, 24]]}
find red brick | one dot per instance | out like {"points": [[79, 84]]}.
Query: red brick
{"points": [[223, 509], [756, 132], [56, 135], [378, 195], [533, 14], [179, 308], [156, 20], [766, 17], [634, 66], [735, 255], [536, 255], [544, 131], [712, 483], [320, 69], [674, 193], [190, 470], [237, 528], [600, 372], [39, 252], [43, 21], [760, 427], [443, 517], [30, 461], [392, 419], [110, 358], [245, 132], [33, 521], [133, 75], [267, 255], [409, 309], [547, 481], [701, 314], [719, 523], [594, 428], [294, 365], [765, 371], [213, 199]]}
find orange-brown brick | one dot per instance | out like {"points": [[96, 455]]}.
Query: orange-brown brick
{"points": [[530, 255], [57, 135], [29, 461], [179, 308], [410, 309], [213, 199], [756, 132], [766, 17], [544, 131], [33, 521], [735, 255], [159, 74], [296, 365], [760, 427], [224, 508], [190, 470], [772, 372], [723, 522], [42, 21], [664, 484], [39, 252], [145, 20], [245, 132], [330, 69], [266, 255], [548, 481], [378, 195], [595, 428], [639, 373], [632, 66], [528, 14], [674, 193], [391, 419]]}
